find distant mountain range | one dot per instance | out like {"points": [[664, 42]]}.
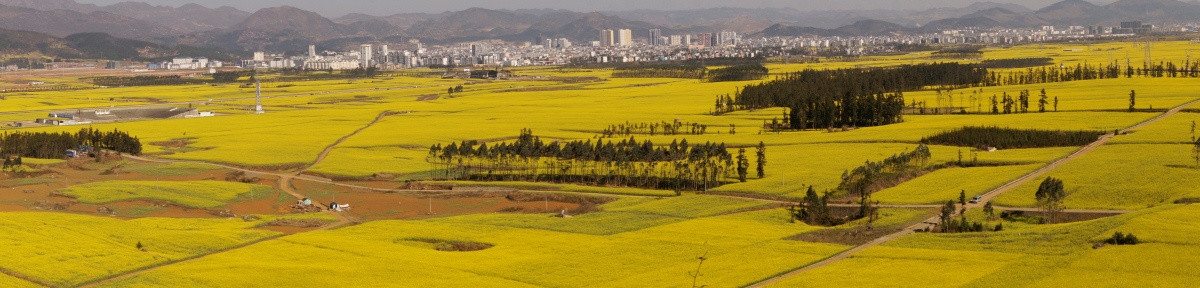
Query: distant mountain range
{"points": [[291, 29], [95, 46]]}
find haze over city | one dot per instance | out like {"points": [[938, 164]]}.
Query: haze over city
{"points": [[374, 7]]}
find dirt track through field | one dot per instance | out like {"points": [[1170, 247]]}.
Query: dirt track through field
{"points": [[931, 222], [285, 184]]}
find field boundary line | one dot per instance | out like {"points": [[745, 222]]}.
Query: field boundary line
{"points": [[14, 274], [151, 267]]}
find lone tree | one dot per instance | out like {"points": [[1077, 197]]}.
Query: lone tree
{"points": [[1055, 103], [990, 211], [762, 159], [962, 197], [1050, 195], [1132, 100], [696, 274]]}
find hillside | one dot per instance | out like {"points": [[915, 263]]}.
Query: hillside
{"points": [[1073, 11], [186, 18], [860, 28], [66, 22], [472, 23], [94, 46]]}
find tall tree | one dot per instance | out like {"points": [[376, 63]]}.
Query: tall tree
{"points": [[995, 105], [743, 165], [1042, 101], [762, 159], [989, 210], [1196, 152], [947, 216], [1050, 195], [1132, 100]]}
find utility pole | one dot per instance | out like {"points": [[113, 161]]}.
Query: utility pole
{"points": [[258, 106], [1149, 61]]}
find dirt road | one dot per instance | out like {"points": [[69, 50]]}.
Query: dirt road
{"points": [[285, 185]]}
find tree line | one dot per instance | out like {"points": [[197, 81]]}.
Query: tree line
{"points": [[744, 72], [847, 97], [660, 70], [54, 145], [675, 127], [1010, 63], [867, 97], [144, 80], [630, 163], [1010, 138], [945, 103], [1083, 71]]}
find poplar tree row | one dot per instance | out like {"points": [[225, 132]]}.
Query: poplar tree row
{"points": [[631, 163], [1083, 71], [675, 127]]}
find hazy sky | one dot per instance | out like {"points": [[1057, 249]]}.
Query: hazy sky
{"points": [[335, 8]]}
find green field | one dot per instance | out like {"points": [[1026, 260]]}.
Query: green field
{"points": [[197, 194]]}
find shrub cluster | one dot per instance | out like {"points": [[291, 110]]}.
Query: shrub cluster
{"points": [[1119, 238]]}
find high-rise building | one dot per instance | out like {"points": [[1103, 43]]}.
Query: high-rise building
{"points": [[365, 55], [625, 37], [655, 37], [727, 38], [675, 40], [705, 39], [606, 38], [312, 51]]}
